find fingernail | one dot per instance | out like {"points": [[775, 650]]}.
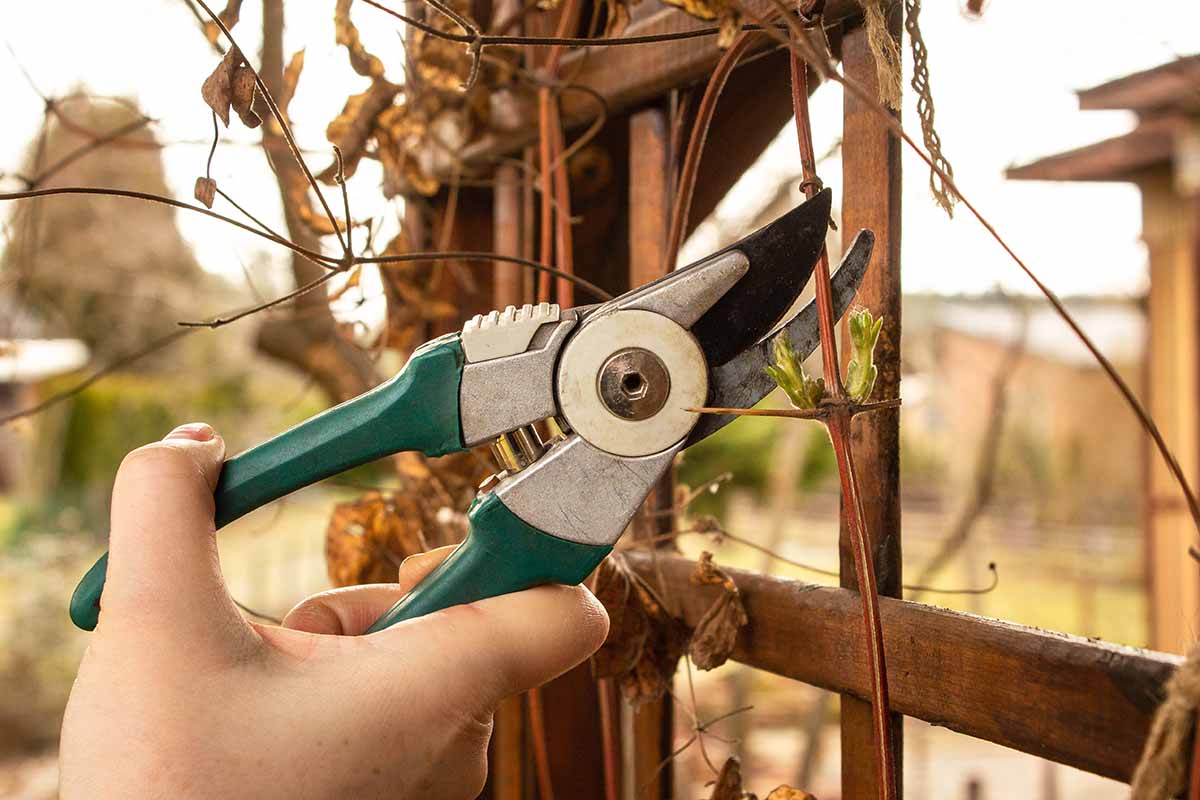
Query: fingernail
{"points": [[196, 431]]}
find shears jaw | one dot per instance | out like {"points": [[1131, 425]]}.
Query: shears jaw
{"points": [[685, 295], [781, 258], [742, 381]]}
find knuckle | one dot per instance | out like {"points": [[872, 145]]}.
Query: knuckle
{"points": [[155, 460]]}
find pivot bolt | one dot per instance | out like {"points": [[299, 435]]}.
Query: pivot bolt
{"points": [[633, 384]]}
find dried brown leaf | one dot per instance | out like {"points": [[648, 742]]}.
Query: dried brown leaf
{"points": [[644, 642], [291, 79], [300, 202], [729, 782], [354, 127], [205, 191], [716, 632], [789, 793], [412, 298], [367, 538], [722, 11], [241, 96], [627, 623], [217, 89], [346, 33], [442, 64], [229, 15]]}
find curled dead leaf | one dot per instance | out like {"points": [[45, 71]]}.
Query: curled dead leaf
{"points": [[241, 96], [291, 79], [442, 64], [228, 15], [413, 299], [716, 632], [205, 191], [721, 11], [354, 127], [217, 89], [367, 538], [346, 34], [300, 201], [644, 641], [401, 133], [728, 785]]}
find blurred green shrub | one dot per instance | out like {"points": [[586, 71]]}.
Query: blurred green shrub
{"points": [[746, 448]]}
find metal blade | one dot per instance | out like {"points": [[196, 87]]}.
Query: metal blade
{"points": [[782, 256], [743, 381]]}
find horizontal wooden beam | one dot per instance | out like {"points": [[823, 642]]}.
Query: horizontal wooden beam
{"points": [[1079, 702], [628, 76]]}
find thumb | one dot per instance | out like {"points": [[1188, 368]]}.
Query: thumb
{"points": [[350, 610], [163, 571]]}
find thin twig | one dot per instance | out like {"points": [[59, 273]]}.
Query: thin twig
{"points": [[472, 255], [220, 322], [340, 178], [820, 413], [283, 125], [681, 207], [329, 261], [84, 149], [114, 365], [170, 201]]}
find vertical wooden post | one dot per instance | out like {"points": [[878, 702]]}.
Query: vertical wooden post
{"points": [[871, 199], [507, 282], [1171, 230], [649, 201], [508, 757]]}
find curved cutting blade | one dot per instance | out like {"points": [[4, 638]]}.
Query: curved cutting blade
{"points": [[782, 256], [743, 381]]}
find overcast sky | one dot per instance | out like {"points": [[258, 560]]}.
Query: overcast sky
{"points": [[1003, 87]]}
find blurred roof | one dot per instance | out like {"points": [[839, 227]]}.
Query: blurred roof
{"points": [[1166, 99], [1174, 86], [1118, 327], [32, 360]]}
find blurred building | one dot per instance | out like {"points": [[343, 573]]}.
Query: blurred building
{"points": [[1161, 155], [1054, 464], [27, 368]]}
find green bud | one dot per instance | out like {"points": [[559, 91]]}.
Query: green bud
{"points": [[861, 373], [788, 372]]}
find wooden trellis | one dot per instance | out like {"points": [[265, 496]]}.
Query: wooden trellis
{"points": [[1074, 701]]}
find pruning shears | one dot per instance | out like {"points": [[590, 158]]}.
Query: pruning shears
{"points": [[615, 384]]}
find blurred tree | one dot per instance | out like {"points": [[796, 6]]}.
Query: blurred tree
{"points": [[113, 272]]}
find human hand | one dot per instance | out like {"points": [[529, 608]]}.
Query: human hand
{"points": [[180, 696]]}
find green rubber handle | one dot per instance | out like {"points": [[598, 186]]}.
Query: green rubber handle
{"points": [[501, 554], [416, 410]]}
